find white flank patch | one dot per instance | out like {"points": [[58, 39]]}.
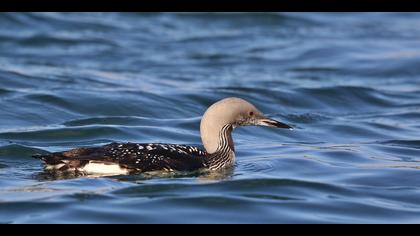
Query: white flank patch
{"points": [[53, 167], [102, 168]]}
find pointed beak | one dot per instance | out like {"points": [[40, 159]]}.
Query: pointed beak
{"points": [[272, 123]]}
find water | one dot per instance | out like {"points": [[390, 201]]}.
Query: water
{"points": [[348, 83]]}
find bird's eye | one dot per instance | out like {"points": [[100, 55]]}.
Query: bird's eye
{"points": [[251, 113]]}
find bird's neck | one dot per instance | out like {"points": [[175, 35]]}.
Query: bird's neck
{"points": [[225, 143], [216, 138], [224, 155]]}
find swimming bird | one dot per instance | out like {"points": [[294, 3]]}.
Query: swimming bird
{"points": [[216, 128]]}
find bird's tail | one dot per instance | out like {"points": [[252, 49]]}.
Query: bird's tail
{"points": [[41, 157], [51, 159]]}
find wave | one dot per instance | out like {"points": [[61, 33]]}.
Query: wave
{"points": [[349, 97], [404, 143], [16, 151], [67, 134]]}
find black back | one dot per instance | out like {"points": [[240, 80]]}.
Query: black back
{"points": [[136, 157]]}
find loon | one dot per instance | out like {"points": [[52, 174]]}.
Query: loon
{"points": [[216, 127]]}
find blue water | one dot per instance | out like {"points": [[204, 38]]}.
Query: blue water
{"points": [[348, 83]]}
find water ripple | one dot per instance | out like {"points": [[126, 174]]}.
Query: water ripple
{"points": [[347, 83]]}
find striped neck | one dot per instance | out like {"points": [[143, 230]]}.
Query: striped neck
{"points": [[224, 156]]}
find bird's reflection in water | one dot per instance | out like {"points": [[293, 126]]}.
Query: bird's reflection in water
{"points": [[51, 175], [202, 176], [223, 174]]}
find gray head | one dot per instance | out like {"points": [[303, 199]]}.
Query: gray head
{"points": [[234, 112]]}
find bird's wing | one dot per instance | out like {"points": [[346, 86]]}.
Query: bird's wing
{"points": [[144, 157]]}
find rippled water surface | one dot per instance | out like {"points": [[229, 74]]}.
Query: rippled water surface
{"points": [[348, 83]]}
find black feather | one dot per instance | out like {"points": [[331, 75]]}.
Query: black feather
{"points": [[136, 157]]}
